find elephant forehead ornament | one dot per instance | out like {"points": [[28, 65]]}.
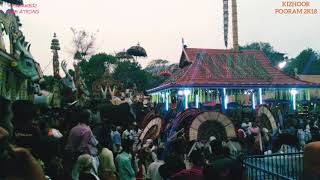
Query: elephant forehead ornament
{"points": [[25, 62]]}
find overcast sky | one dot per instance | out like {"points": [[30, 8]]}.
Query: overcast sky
{"points": [[159, 26]]}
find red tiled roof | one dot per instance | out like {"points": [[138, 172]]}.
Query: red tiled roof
{"points": [[226, 68]]}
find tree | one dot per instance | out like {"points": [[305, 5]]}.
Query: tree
{"points": [[157, 65], [96, 67], [130, 73], [274, 56], [83, 43], [307, 62]]}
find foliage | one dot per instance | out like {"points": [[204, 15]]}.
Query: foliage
{"points": [[307, 62], [127, 72], [130, 73], [157, 65], [274, 56], [96, 67], [123, 55], [48, 83]]}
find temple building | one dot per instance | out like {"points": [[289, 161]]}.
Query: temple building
{"points": [[208, 77], [230, 77]]}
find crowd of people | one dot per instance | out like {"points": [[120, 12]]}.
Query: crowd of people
{"points": [[39, 144], [297, 132]]}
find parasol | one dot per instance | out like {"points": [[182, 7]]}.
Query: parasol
{"points": [[152, 130], [137, 51], [208, 124]]}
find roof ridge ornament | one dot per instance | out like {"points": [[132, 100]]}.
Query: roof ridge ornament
{"points": [[183, 44]]}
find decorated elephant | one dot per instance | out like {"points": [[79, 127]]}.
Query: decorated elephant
{"points": [[25, 63]]}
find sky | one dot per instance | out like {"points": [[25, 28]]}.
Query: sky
{"points": [[159, 26]]}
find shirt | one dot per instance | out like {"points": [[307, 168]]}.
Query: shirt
{"points": [[106, 162], [116, 139], [195, 173], [126, 172], [153, 170], [81, 140]]}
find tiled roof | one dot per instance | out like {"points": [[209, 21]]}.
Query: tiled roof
{"points": [[225, 68], [310, 78]]}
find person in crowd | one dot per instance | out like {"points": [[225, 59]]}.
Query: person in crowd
{"points": [[241, 134], [216, 150], [81, 139], [84, 168], [308, 134], [301, 137], [223, 169], [175, 161], [107, 169], [126, 134], [26, 134], [246, 125], [6, 116], [265, 138], [16, 162], [141, 164], [116, 139], [153, 169], [254, 130], [135, 132], [195, 172], [311, 163], [124, 162]]}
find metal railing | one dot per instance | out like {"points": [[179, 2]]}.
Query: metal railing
{"points": [[276, 166]]}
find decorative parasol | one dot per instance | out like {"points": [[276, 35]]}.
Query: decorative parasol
{"points": [[148, 117], [208, 124], [137, 51], [266, 118], [152, 130]]}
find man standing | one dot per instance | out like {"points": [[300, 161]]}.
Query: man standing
{"points": [[124, 162], [153, 169], [116, 139], [81, 139]]}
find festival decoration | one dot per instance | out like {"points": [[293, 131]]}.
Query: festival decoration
{"points": [[137, 51], [19, 72], [55, 46]]}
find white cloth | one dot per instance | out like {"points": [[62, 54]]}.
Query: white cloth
{"points": [[153, 170]]}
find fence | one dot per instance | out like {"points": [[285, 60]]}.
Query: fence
{"points": [[287, 165]]}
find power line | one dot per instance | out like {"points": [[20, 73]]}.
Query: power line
{"points": [[47, 66]]}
